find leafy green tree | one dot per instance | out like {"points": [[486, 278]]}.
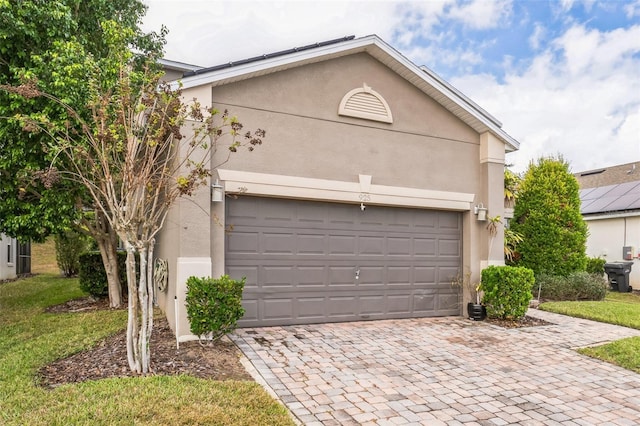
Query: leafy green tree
{"points": [[54, 42], [547, 215], [128, 149]]}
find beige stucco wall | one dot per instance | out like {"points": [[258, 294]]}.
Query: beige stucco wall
{"points": [[607, 237], [185, 243], [306, 137], [425, 148]]}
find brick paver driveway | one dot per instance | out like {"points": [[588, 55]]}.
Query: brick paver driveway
{"points": [[444, 371]]}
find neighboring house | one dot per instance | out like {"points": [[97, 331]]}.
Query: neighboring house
{"points": [[361, 203], [610, 198], [15, 258]]}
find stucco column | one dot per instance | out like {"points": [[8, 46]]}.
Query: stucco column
{"points": [[492, 155]]}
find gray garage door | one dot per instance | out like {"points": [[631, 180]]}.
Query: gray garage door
{"points": [[312, 262]]}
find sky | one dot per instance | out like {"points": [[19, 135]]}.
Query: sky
{"points": [[563, 76]]}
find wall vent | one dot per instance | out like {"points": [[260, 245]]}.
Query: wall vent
{"points": [[366, 103]]}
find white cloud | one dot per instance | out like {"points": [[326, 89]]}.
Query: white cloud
{"points": [[538, 36], [213, 32], [580, 99], [632, 9], [482, 14]]}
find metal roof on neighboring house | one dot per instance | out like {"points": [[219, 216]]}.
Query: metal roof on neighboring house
{"points": [[610, 190], [421, 77]]}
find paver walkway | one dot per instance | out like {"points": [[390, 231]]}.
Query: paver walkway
{"points": [[445, 371]]}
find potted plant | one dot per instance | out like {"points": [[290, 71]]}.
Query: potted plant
{"points": [[476, 310]]}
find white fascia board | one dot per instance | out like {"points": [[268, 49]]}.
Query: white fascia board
{"points": [[611, 216], [277, 63], [178, 66]]}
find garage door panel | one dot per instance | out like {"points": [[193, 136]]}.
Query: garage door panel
{"points": [[371, 276], [448, 273], [277, 276], [278, 243], [399, 275], [424, 275], [250, 310], [341, 245], [372, 305], [301, 260], [372, 246], [248, 272], [449, 248], [341, 307], [447, 302], [311, 276], [280, 309], [243, 242], [450, 222], [399, 304], [341, 275], [399, 246], [424, 302], [424, 246], [311, 308], [308, 244]]}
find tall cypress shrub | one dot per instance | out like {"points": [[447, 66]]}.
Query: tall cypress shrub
{"points": [[547, 215]]}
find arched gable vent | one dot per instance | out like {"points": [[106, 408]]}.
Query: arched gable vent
{"points": [[364, 102]]}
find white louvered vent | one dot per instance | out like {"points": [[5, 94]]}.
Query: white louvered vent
{"points": [[364, 102]]}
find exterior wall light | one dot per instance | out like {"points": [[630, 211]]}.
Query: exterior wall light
{"points": [[217, 192], [481, 212]]}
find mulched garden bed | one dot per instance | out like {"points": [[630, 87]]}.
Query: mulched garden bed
{"points": [[527, 321], [221, 361]]}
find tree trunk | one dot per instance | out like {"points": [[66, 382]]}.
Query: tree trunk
{"points": [[108, 246], [133, 354], [107, 241], [146, 313]]}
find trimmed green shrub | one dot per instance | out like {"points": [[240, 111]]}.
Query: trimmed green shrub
{"points": [[214, 306], [506, 291], [69, 246], [577, 286], [93, 278], [595, 265], [547, 215]]}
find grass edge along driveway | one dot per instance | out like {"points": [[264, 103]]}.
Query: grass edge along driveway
{"points": [[617, 308], [31, 338]]}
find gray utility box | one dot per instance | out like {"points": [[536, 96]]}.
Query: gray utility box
{"points": [[618, 273]]}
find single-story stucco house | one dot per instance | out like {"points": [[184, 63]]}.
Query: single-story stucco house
{"points": [[610, 204], [365, 200]]}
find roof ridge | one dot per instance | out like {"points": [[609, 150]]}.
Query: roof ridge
{"points": [[269, 55]]}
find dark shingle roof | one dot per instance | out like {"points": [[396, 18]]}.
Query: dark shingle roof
{"points": [[268, 56]]}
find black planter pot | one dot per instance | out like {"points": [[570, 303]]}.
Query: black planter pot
{"points": [[476, 311]]}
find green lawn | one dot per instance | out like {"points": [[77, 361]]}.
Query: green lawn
{"points": [[30, 338], [617, 308]]}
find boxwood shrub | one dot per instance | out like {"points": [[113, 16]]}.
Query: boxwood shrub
{"points": [[576, 286], [506, 291], [214, 306], [595, 265], [93, 278]]}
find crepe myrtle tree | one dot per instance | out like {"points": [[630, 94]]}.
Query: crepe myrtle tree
{"points": [[49, 40], [135, 159]]}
